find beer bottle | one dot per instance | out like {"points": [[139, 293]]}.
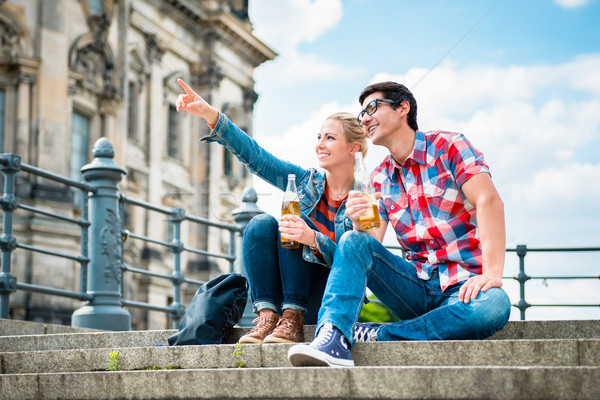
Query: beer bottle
{"points": [[362, 183], [290, 205]]}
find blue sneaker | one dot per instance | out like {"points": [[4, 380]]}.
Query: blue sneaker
{"points": [[365, 332], [330, 349]]}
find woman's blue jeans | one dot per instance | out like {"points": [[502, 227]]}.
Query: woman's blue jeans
{"points": [[425, 312], [280, 278]]}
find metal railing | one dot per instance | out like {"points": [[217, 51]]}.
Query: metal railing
{"points": [[102, 238], [11, 165], [177, 247], [522, 277], [521, 251]]}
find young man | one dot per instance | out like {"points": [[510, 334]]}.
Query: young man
{"points": [[437, 193]]}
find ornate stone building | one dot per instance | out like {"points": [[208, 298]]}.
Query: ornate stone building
{"points": [[72, 71]]}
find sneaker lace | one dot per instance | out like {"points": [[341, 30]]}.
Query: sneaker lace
{"points": [[365, 334], [324, 336]]}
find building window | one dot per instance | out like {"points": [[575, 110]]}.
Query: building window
{"points": [[1, 120], [173, 139], [132, 112], [80, 138]]}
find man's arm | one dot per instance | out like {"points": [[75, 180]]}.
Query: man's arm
{"points": [[482, 194]]}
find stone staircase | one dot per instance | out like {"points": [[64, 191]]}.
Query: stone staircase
{"points": [[526, 360]]}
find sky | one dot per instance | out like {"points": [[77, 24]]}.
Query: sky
{"points": [[519, 78]]}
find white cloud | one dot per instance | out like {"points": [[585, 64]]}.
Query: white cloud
{"points": [[559, 188], [572, 3], [454, 90], [517, 115], [578, 73], [295, 67], [287, 24]]}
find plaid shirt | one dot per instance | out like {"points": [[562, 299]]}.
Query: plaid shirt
{"points": [[433, 221]]}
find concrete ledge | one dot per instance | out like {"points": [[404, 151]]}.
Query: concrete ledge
{"points": [[11, 327], [576, 329], [311, 383], [85, 340], [583, 329], [583, 352]]}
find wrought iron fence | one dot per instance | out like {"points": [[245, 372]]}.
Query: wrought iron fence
{"points": [[177, 247], [11, 165], [522, 277], [102, 237]]}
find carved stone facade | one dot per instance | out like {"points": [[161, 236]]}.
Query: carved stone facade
{"points": [[72, 71]]}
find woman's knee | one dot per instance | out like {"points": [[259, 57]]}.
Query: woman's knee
{"points": [[261, 224]]}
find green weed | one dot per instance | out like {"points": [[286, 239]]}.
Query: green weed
{"points": [[237, 356], [113, 363]]}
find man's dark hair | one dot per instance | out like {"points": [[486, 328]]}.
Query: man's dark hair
{"points": [[398, 93]]}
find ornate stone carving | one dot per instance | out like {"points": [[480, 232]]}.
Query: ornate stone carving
{"points": [[208, 75], [250, 97], [112, 245], [24, 78], [9, 42], [91, 56], [154, 48]]}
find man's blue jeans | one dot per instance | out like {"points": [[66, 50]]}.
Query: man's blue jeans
{"points": [[280, 278], [425, 312]]}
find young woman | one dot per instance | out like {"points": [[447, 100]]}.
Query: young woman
{"points": [[287, 283]]}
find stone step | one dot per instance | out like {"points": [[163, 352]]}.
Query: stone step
{"points": [[576, 329], [581, 329], [548, 352], [10, 327], [89, 340], [311, 383], [528, 360]]}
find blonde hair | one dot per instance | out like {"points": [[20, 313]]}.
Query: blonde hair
{"points": [[352, 129]]}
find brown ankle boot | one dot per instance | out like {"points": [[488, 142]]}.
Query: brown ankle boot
{"points": [[264, 326], [290, 328]]}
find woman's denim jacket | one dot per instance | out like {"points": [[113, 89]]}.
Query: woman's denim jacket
{"points": [[310, 182]]}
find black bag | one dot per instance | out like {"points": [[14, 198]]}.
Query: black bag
{"points": [[216, 307]]}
